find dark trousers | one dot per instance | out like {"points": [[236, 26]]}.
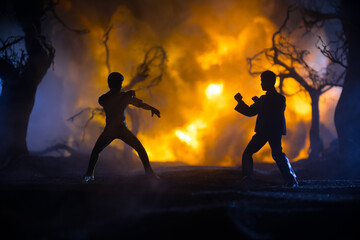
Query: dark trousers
{"points": [[121, 132], [256, 143]]}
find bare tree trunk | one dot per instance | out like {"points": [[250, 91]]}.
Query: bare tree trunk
{"points": [[16, 104], [316, 143], [347, 112], [19, 87]]}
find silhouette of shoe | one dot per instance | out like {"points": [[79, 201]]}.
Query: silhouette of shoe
{"points": [[292, 184], [247, 180], [152, 176], [87, 179]]}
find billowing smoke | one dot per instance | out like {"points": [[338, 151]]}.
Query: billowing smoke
{"points": [[207, 43]]}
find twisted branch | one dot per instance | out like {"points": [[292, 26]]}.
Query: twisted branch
{"points": [[105, 41], [51, 8], [289, 57]]}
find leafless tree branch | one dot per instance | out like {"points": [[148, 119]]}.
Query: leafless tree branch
{"points": [[105, 41], [93, 111], [152, 68], [10, 41], [335, 51], [59, 148], [66, 26]]}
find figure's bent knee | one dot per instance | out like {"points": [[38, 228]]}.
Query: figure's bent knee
{"points": [[141, 151], [247, 153], [278, 155], [96, 151], [143, 154], [139, 148]]}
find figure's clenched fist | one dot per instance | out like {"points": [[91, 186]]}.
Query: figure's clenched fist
{"points": [[255, 99], [238, 97]]}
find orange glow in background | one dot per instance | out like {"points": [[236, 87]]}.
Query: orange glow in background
{"points": [[207, 50]]}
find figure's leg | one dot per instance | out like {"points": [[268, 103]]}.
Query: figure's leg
{"points": [[103, 141], [282, 161], [255, 144], [129, 138]]}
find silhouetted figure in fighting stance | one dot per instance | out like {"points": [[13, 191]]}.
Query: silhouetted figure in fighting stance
{"points": [[270, 126], [114, 103]]}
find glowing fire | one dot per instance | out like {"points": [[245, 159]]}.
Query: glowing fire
{"points": [[206, 67], [189, 136], [214, 90]]}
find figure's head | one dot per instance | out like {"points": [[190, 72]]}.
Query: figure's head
{"points": [[115, 81], [268, 79]]}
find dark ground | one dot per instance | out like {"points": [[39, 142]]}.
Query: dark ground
{"points": [[188, 202]]}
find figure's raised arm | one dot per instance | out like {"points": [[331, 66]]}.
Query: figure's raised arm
{"points": [[243, 108], [151, 108], [140, 104]]}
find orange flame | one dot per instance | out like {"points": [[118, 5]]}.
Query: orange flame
{"points": [[206, 67]]}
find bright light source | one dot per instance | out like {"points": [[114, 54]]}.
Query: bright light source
{"points": [[190, 135], [214, 90], [183, 137]]}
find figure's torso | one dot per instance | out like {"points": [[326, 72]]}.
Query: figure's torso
{"points": [[271, 117], [114, 104]]}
